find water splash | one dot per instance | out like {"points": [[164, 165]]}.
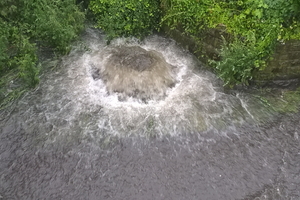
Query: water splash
{"points": [[190, 99], [69, 139], [132, 71], [77, 97]]}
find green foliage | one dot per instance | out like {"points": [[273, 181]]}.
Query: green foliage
{"points": [[26, 62], [18, 53], [56, 22], [254, 25], [165, 4], [237, 63], [53, 23], [10, 9], [126, 18], [4, 33], [189, 15]]}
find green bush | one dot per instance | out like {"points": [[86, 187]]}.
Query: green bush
{"points": [[189, 15], [238, 62], [4, 34], [55, 22], [52, 23], [18, 53], [255, 27], [126, 18], [26, 63]]}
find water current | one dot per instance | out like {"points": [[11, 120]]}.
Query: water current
{"points": [[143, 120]]}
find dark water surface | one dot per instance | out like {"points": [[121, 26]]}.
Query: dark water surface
{"points": [[71, 139]]}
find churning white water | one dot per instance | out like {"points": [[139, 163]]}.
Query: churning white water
{"points": [[143, 120], [191, 99]]}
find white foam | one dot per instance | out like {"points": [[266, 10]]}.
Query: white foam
{"points": [[194, 104]]}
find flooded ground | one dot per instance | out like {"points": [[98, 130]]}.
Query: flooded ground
{"points": [[73, 139]]}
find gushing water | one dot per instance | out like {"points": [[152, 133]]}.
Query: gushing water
{"points": [[109, 90], [134, 72], [143, 120]]}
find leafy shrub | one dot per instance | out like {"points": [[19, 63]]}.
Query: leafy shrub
{"points": [[126, 18], [188, 15], [18, 53], [52, 22], [26, 62], [238, 62], [56, 22], [3, 46], [10, 9], [254, 25]]}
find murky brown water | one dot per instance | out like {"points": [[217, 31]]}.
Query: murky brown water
{"points": [[72, 139]]}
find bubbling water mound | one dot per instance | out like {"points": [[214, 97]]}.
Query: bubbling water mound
{"points": [[131, 71], [134, 57]]}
